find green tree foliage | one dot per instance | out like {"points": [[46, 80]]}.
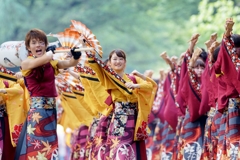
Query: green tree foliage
{"points": [[142, 28], [212, 17]]}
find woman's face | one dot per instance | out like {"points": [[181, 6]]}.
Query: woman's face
{"points": [[199, 70], [118, 64], [37, 47]]}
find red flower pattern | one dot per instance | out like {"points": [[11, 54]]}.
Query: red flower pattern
{"points": [[16, 133], [142, 132]]}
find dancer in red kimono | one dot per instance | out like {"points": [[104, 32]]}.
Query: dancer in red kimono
{"points": [[227, 68], [209, 89], [192, 130]]}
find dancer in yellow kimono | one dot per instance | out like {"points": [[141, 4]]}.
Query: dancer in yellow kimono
{"points": [[130, 97], [12, 113]]}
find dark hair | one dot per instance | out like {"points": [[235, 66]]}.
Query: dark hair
{"points": [[119, 53], [35, 34], [203, 55], [106, 61], [215, 53], [236, 40], [199, 62]]}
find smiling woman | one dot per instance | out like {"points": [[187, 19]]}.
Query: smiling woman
{"points": [[131, 97]]}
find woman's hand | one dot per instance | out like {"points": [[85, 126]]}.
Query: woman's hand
{"points": [[18, 75], [195, 56], [228, 26], [136, 73], [3, 91], [131, 85]]}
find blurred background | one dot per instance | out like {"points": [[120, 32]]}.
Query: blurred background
{"points": [[142, 28]]}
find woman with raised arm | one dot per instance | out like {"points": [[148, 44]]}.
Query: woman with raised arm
{"points": [[38, 139], [209, 90], [130, 96], [191, 136], [227, 70]]}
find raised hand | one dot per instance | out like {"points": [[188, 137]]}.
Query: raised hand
{"points": [[148, 73], [166, 58], [195, 56], [211, 50], [228, 26], [51, 48], [162, 74], [193, 42], [76, 54], [213, 38], [180, 60], [174, 59], [194, 38]]}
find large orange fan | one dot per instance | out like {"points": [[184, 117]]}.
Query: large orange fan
{"points": [[88, 37], [69, 38]]}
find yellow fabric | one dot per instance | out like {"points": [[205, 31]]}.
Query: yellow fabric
{"points": [[55, 67], [218, 75], [143, 96], [145, 102], [26, 99], [75, 109], [96, 94], [87, 105], [68, 117], [15, 107], [52, 62], [118, 90]]}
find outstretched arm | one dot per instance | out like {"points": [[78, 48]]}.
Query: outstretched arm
{"points": [[193, 42], [212, 39], [228, 27], [195, 56], [165, 57]]}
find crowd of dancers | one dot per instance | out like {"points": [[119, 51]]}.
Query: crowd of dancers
{"points": [[102, 113]]}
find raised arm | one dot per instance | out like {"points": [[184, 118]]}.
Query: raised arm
{"points": [[212, 39], [194, 57], [193, 42], [31, 63], [228, 27], [165, 57]]}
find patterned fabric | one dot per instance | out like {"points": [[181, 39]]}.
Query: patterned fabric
{"points": [[177, 142], [78, 149], [192, 75], [149, 141], [91, 134], [100, 138], [121, 131], [157, 100], [163, 144], [233, 129], [215, 133], [232, 51], [207, 142], [221, 147], [5, 70], [2, 115], [84, 69], [191, 138], [168, 146], [39, 137], [157, 140], [153, 121]]}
